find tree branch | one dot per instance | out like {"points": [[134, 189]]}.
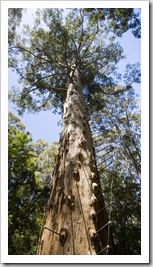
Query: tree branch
{"points": [[127, 149], [82, 30], [22, 48], [65, 54], [61, 64], [50, 75], [47, 99], [36, 88], [90, 42]]}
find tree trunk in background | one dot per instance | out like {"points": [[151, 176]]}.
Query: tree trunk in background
{"points": [[72, 225]]}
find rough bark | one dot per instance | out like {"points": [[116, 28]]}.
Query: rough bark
{"points": [[76, 211]]}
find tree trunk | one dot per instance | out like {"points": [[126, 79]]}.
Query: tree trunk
{"points": [[76, 221]]}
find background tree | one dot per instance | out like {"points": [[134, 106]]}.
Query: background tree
{"points": [[119, 164], [28, 193], [71, 53], [44, 160], [14, 19]]}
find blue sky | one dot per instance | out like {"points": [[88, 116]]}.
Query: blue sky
{"points": [[44, 125]]}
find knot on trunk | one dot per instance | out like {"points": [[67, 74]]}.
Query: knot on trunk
{"points": [[76, 175], [94, 187], [63, 236], [71, 201], [93, 200], [93, 215], [93, 176], [92, 234]]}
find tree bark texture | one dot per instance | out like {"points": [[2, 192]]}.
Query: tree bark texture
{"points": [[76, 221]]}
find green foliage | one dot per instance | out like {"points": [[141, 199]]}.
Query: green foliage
{"points": [[27, 192], [119, 20], [126, 212], [43, 56], [14, 19], [45, 159], [117, 131]]}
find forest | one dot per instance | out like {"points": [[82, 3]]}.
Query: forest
{"points": [[82, 193]]}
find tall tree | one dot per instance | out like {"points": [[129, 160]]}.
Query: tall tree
{"points": [[69, 61]]}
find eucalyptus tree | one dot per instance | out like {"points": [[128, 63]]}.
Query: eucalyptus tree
{"points": [[66, 61]]}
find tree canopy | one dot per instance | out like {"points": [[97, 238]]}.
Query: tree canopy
{"points": [[42, 57]]}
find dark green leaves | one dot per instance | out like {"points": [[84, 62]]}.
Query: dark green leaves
{"points": [[119, 20], [29, 179]]}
